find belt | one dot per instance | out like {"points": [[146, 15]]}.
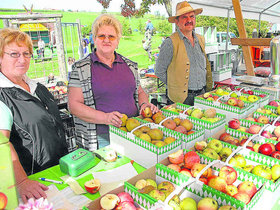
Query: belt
{"points": [[196, 91]]}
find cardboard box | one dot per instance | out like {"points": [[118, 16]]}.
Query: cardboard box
{"points": [[143, 152], [210, 127]]}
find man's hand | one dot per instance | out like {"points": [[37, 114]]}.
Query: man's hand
{"points": [[31, 189]]}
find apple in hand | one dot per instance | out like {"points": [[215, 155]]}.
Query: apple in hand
{"points": [[146, 112], [247, 187], [92, 186], [229, 174]]}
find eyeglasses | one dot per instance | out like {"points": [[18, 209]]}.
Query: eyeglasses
{"points": [[110, 37], [17, 55]]}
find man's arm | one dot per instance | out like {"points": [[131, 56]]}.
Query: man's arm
{"points": [[164, 59]]}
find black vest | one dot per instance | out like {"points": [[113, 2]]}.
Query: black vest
{"points": [[37, 132]]}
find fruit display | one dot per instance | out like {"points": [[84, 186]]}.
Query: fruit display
{"points": [[219, 176], [122, 200], [59, 93]]}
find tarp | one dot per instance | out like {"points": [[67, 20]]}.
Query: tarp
{"points": [[251, 9], [32, 27]]}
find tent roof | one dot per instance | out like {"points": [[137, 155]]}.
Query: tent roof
{"points": [[251, 9], [32, 27]]}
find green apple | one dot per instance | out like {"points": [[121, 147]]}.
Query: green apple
{"points": [[209, 152], [219, 91], [188, 203], [216, 145], [175, 202], [241, 160], [234, 95], [151, 182], [278, 110], [262, 171], [157, 195], [225, 152], [243, 98], [253, 98], [233, 162], [275, 170], [248, 168], [197, 113], [227, 208]]}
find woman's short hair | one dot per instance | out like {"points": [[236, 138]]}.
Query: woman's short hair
{"points": [[10, 35], [106, 20]]}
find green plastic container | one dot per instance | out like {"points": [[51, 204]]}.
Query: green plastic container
{"points": [[7, 184]]}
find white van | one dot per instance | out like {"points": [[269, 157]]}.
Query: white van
{"points": [[222, 38]]}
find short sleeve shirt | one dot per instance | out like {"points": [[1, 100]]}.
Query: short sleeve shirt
{"points": [[6, 117]]}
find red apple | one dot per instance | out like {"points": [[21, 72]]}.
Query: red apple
{"points": [[277, 147], [272, 146], [218, 183], [126, 205], [273, 103], [147, 112], [234, 124], [265, 149], [190, 159], [245, 198], [176, 157], [200, 145], [174, 167], [204, 180], [232, 101], [266, 134], [125, 197], [262, 95], [263, 119], [247, 187], [186, 172], [250, 118], [3, 200], [223, 135], [243, 141], [92, 186], [229, 174], [254, 129], [250, 148], [275, 154]]}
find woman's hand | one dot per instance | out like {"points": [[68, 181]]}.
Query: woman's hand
{"points": [[31, 189], [113, 118], [152, 106]]}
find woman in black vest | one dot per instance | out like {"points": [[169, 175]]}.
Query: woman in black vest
{"points": [[37, 135]]}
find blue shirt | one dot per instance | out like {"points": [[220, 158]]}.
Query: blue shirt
{"points": [[149, 26]]}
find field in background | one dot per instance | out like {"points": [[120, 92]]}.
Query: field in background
{"points": [[130, 46]]}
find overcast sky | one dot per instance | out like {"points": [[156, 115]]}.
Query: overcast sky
{"points": [[87, 5]]}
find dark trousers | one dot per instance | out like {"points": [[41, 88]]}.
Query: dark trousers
{"points": [[190, 99]]}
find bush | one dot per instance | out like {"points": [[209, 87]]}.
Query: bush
{"points": [[141, 27], [126, 29], [86, 30], [164, 27]]}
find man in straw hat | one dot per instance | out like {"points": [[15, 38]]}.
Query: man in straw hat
{"points": [[182, 63]]}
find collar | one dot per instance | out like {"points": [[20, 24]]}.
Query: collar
{"points": [[5, 82], [182, 36], [94, 58]]}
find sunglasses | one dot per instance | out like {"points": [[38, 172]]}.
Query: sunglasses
{"points": [[103, 37]]}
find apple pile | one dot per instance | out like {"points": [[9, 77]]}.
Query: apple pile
{"points": [[214, 149], [261, 119], [173, 108], [207, 114], [55, 90], [150, 187], [266, 110], [120, 201], [275, 103]]}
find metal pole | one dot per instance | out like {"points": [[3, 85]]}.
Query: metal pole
{"points": [[60, 49], [80, 39], [228, 16], [71, 33]]}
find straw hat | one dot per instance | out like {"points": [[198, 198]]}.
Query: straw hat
{"points": [[182, 8]]}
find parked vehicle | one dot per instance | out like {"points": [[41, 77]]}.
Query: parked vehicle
{"points": [[222, 38]]}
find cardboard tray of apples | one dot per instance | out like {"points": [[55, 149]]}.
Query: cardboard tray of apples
{"points": [[188, 131], [145, 143], [269, 111], [222, 105], [208, 118], [264, 96], [260, 150], [152, 191], [211, 178], [244, 161]]}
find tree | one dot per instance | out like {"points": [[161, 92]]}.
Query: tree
{"points": [[128, 8]]}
